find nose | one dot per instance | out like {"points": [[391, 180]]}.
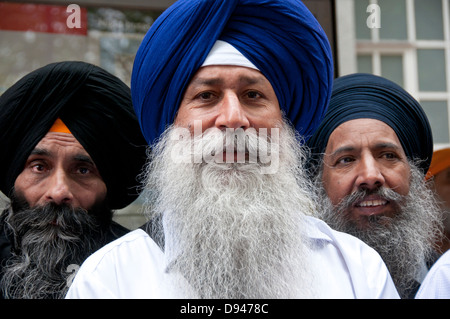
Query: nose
{"points": [[59, 191], [231, 113], [370, 175]]}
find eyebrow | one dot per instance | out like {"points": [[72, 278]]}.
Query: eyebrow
{"points": [[388, 145], [40, 151], [341, 150], [215, 81], [377, 146], [77, 157], [83, 158], [206, 81]]}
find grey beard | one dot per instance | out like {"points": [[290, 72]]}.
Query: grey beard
{"points": [[405, 242], [231, 231], [48, 240]]}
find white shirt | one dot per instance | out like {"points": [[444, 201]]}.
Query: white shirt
{"points": [[436, 284], [133, 266]]}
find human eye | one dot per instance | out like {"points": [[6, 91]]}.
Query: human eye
{"points": [[205, 96], [38, 167], [253, 94], [204, 99], [390, 156], [344, 160], [83, 170], [83, 167]]}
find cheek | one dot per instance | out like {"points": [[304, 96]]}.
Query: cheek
{"points": [[95, 193], [196, 125], [27, 188], [334, 187], [399, 181], [272, 119]]}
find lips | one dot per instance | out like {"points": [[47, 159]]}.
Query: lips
{"points": [[372, 205]]}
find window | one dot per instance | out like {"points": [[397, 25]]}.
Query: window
{"points": [[108, 37], [411, 48]]}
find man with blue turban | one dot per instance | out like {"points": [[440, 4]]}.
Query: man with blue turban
{"points": [[369, 158], [225, 91]]}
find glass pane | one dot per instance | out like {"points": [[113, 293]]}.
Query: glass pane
{"points": [[117, 55], [393, 19], [429, 22], [437, 114], [364, 64], [431, 70], [362, 31], [392, 68]]}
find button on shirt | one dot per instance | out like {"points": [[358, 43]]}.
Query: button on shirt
{"points": [[135, 267]]}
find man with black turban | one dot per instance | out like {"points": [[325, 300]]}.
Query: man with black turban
{"points": [[369, 158], [223, 91], [72, 150]]}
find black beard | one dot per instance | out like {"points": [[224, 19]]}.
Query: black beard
{"points": [[47, 241]]}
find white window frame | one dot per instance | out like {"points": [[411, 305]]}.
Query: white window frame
{"points": [[348, 49]]}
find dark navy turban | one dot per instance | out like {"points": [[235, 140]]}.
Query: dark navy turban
{"points": [[94, 105], [361, 95], [280, 37]]}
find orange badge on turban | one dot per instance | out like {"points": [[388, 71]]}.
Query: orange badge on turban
{"points": [[59, 127], [439, 162]]}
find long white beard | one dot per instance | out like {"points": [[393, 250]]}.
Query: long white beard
{"points": [[231, 231]]}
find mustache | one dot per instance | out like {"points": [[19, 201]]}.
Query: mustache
{"points": [[358, 195], [240, 140], [52, 221], [230, 146]]}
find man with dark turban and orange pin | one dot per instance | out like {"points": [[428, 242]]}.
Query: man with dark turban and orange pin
{"points": [[436, 282], [224, 92], [72, 150], [369, 157], [439, 176]]}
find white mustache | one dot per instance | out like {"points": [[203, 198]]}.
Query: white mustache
{"points": [[227, 146]]}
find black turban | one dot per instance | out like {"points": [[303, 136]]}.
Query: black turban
{"points": [[361, 95], [96, 107]]}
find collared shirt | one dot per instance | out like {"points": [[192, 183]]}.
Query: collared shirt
{"points": [[436, 284], [134, 266]]}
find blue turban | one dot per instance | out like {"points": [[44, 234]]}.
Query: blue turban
{"points": [[361, 95], [280, 37]]}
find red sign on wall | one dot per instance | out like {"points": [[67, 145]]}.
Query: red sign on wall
{"points": [[43, 18]]}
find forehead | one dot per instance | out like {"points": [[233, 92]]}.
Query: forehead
{"points": [[227, 73], [54, 142], [360, 132]]}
